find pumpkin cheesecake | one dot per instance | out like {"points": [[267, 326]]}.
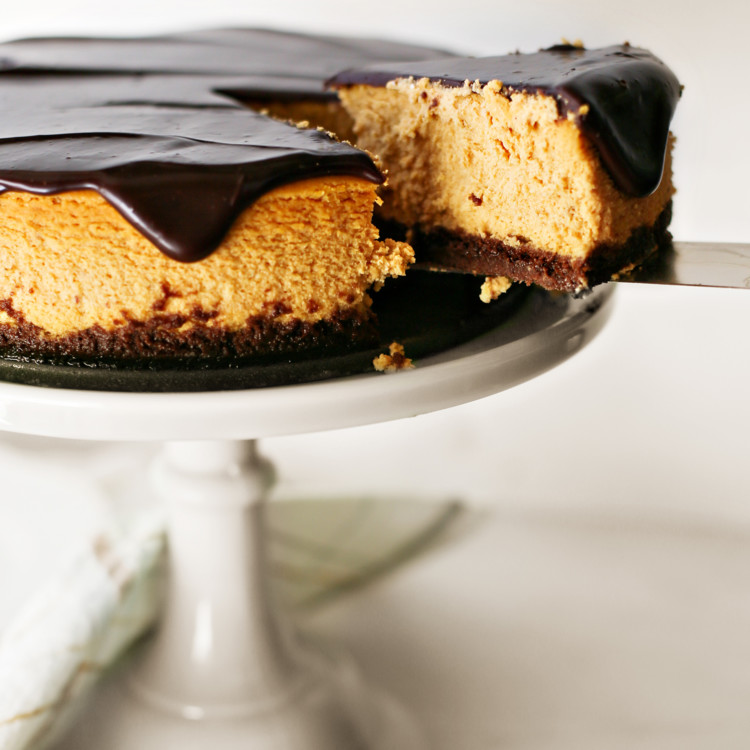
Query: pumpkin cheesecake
{"points": [[196, 197]]}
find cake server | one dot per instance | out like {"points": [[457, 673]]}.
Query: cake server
{"points": [[697, 264]]}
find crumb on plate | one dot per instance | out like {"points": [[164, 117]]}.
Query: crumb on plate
{"points": [[394, 360], [493, 287]]}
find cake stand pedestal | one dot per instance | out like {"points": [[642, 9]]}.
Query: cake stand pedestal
{"points": [[223, 670]]}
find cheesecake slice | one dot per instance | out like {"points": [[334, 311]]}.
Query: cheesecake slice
{"points": [[550, 168]]}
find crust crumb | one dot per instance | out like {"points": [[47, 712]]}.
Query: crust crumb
{"points": [[493, 287], [395, 360]]}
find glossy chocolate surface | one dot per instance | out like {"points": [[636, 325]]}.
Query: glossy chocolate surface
{"points": [[157, 127], [180, 174], [628, 96], [300, 61]]}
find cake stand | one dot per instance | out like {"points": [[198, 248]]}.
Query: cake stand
{"points": [[223, 671]]}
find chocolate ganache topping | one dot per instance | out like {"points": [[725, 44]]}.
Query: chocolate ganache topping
{"points": [[623, 97], [157, 125]]}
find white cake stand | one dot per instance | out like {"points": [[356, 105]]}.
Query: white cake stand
{"points": [[223, 672]]}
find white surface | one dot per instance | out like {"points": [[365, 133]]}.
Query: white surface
{"points": [[517, 638], [566, 632]]}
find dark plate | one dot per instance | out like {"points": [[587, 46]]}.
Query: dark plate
{"points": [[426, 312]]}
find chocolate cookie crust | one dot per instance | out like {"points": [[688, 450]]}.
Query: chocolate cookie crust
{"points": [[460, 252], [168, 337]]}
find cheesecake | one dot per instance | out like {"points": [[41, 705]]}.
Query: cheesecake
{"points": [[240, 195]]}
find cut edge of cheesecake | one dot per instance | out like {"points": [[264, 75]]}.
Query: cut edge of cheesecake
{"points": [[291, 275], [500, 183]]}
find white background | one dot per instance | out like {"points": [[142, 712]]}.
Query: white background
{"points": [[649, 422]]}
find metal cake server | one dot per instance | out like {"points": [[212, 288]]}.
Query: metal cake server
{"points": [[697, 264]]}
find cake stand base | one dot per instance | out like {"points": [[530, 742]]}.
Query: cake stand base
{"points": [[335, 709], [224, 671]]}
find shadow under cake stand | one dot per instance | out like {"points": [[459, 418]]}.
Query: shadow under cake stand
{"points": [[223, 670]]}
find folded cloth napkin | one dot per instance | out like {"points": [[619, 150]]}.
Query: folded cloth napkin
{"points": [[94, 607], [85, 616]]}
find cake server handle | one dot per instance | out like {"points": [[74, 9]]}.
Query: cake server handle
{"points": [[696, 264]]}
